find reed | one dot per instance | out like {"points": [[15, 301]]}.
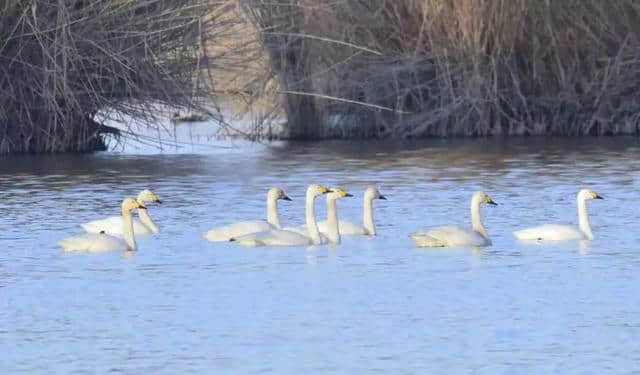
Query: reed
{"points": [[415, 68], [62, 61]]}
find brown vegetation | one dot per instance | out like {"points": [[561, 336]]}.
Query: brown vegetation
{"points": [[336, 68], [61, 61], [412, 68]]}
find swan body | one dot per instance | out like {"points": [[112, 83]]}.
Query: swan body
{"points": [[284, 237], [275, 237], [368, 227], [226, 233], [553, 232], [346, 228], [101, 242], [113, 225], [454, 236]]}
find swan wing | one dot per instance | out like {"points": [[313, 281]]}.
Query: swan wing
{"points": [[239, 229], [274, 237], [93, 243], [113, 226], [302, 229], [451, 236], [549, 232], [422, 239], [346, 228]]}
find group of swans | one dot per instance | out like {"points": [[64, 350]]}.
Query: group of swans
{"points": [[477, 236], [270, 233], [118, 232]]}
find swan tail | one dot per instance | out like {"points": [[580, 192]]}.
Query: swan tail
{"points": [[422, 240], [217, 236]]}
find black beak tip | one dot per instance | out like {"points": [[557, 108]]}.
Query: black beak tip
{"points": [[285, 198], [348, 195], [142, 207], [382, 197], [493, 203], [159, 201], [599, 197]]}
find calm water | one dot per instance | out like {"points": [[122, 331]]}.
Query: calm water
{"points": [[183, 305]]}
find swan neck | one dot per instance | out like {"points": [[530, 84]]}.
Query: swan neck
{"points": [[476, 219], [583, 219], [272, 213], [146, 220], [333, 230], [129, 238], [367, 217], [310, 216]]}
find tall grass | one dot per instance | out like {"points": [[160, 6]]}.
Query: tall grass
{"points": [[412, 68], [62, 61]]}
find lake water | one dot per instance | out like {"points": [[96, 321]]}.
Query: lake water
{"points": [[183, 305]]}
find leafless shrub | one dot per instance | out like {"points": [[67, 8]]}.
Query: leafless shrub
{"points": [[380, 68], [61, 61]]}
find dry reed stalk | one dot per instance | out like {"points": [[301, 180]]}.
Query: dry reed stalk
{"points": [[454, 67], [62, 61]]}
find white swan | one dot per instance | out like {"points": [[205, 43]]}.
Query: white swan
{"points": [[242, 228], [332, 224], [283, 237], [368, 228], [452, 236], [100, 242], [113, 225], [552, 232]]}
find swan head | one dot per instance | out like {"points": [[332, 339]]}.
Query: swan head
{"points": [[373, 193], [130, 204], [337, 193], [315, 190], [276, 193], [588, 194], [147, 196], [482, 197]]}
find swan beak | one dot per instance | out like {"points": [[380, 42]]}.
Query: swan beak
{"points": [[598, 197], [285, 198], [141, 206], [491, 202], [158, 201], [348, 195], [326, 190], [382, 197]]}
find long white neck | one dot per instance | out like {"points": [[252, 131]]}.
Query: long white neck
{"points": [[367, 216], [333, 230], [127, 222], [146, 220], [476, 218], [272, 212], [583, 219], [310, 215]]}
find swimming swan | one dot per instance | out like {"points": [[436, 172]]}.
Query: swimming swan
{"points": [[99, 242], [113, 225], [242, 228], [552, 232], [332, 227], [283, 237], [368, 228], [452, 236]]}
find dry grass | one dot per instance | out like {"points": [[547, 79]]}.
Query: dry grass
{"points": [[61, 61], [412, 68]]}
